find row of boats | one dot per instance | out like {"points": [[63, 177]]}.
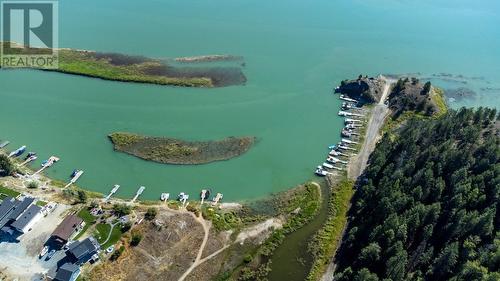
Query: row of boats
{"points": [[204, 196], [32, 156], [339, 153], [76, 174]]}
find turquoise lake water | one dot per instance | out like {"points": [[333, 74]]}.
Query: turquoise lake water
{"points": [[295, 52]]}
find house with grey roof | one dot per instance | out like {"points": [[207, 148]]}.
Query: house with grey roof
{"points": [[18, 215], [67, 272], [27, 219], [81, 252]]}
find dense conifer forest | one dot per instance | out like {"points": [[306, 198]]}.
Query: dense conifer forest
{"points": [[427, 206]]}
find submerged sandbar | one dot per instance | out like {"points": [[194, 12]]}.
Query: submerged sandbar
{"points": [[174, 151]]}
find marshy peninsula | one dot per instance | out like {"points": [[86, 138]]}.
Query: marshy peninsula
{"points": [[174, 151], [141, 69]]}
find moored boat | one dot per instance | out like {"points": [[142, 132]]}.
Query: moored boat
{"points": [[320, 172], [18, 151], [164, 196]]}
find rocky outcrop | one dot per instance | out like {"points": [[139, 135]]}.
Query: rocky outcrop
{"points": [[363, 88]]}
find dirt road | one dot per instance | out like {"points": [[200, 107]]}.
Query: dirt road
{"points": [[358, 163], [378, 114]]}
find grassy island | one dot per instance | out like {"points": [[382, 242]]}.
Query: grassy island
{"points": [[174, 151], [139, 69]]}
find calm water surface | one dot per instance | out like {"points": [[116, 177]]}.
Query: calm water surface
{"points": [[295, 51]]}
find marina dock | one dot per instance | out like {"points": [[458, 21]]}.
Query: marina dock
{"points": [[113, 191], [217, 198], [47, 163], [139, 192], [30, 158], [345, 113], [78, 174]]}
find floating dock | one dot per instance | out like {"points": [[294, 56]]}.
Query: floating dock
{"points": [[164, 196], [217, 198], [78, 174], [345, 113], [203, 195], [138, 193], [350, 120], [30, 158], [349, 141], [113, 191], [47, 163], [342, 97]]}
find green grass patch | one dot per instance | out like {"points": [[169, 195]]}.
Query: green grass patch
{"points": [[8, 192], [325, 242], [89, 220], [41, 203], [116, 234], [101, 232]]}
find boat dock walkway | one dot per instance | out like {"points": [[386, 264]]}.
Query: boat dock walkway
{"points": [[74, 179], [139, 192], [113, 191], [345, 113], [30, 159], [49, 162]]}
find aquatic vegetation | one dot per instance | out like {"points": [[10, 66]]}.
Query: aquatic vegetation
{"points": [[325, 242], [174, 151], [125, 68]]}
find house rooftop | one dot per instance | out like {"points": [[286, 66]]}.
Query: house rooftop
{"points": [[11, 209], [67, 227], [26, 217], [86, 248], [66, 272]]}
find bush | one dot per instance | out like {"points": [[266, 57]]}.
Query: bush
{"points": [[6, 167], [33, 185], [126, 227], [82, 196], [136, 239], [151, 214], [117, 253], [122, 209]]}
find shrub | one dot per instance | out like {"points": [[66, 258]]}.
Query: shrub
{"points": [[121, 209], [136, 239], [33, 185], [151, 214]]}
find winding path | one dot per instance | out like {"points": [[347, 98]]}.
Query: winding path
{"points": [[198, 259]]}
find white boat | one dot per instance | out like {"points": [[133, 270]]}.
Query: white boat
{"points": [[44, 251], [218, 197], [350, 120], [183, 196], [320, 172], [334, 153], [349, 141], [343, 97], [328, 166], [164, 196]]}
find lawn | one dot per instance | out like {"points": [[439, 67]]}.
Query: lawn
{"points": [[41, 203], [88, 218], [102, 232], [8, 192], [115, 236]]}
